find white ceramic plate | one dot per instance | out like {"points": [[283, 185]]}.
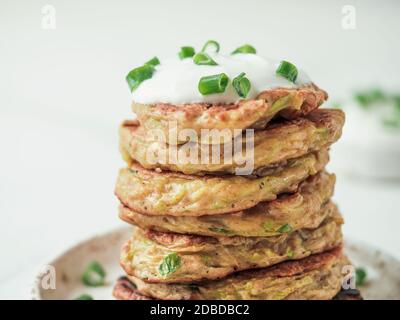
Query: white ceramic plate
{"points": [[383, 270]]}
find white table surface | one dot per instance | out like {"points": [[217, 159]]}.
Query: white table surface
{"points": [[62, 96]]}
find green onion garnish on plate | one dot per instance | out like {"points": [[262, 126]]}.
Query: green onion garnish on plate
{"points": [[242, 85], [94, 275], [186, 52], [213, 84], [136, 76], [84, 297], [245, 49], [392, 123], [287, 70], [203, 59], [361, 276], [153, 62], [212, 44]]}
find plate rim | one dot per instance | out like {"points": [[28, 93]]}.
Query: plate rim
{"points": [[36, 291]]}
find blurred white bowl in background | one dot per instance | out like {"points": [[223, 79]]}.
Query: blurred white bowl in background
{"points": [[368, 148]]}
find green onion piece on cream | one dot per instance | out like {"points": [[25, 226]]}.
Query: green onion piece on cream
{"points": [[213, 84], [211, 44], [242, 85], [136, 76], [245, 49], [203, 59], [287, 70], [153, 62], [186, 52]]}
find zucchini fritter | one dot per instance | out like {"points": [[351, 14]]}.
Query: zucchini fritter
{"points": [[174, 258], [306, 208], [124, 289], [289, 103], [318, 277], [165, 193], [280, 142]]}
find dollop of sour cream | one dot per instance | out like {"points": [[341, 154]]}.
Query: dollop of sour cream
{"points": [[176, 81]]}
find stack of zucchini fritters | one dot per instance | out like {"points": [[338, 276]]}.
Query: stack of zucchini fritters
{"points": [[203, 232]]}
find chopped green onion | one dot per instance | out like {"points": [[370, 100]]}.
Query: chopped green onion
{"points": [[396, 100], [392, 123], [362, 99], [153, 62], [289, 253], [186, 52], [369, 97], [136, 76], [211, 43], [285, 228], [213, 84], [245, 49], [242, 85], [84, 297], [94, 275], [361, 276], [377, 95], [287, 70], [170, 264], [202, 58]]}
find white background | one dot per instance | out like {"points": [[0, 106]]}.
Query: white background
{"points": [[63, 94]]}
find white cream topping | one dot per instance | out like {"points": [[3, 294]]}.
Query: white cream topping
{"points": [[176, 81]]}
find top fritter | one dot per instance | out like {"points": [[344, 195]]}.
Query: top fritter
{"points": [[210, 90]]}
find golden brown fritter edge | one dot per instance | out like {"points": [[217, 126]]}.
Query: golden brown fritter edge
{"points": [[281, 141], [124, 289], [147, 191], [195, 269], [250, 113], [291, 267], [311, 196]]}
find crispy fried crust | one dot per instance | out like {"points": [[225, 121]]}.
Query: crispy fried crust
{"points": [[124, 289], [208, 258], [153, 193], [315, 277], [289, 103], [278, 143], [306, 208]]}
